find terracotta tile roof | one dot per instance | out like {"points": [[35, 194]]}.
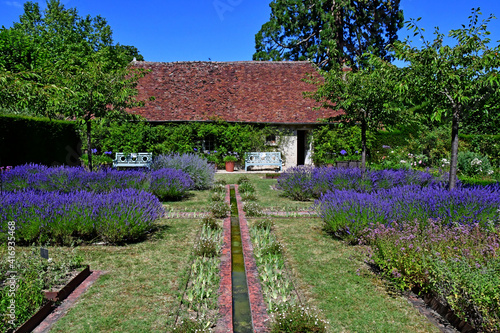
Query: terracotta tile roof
{"points": [[242, 91]]}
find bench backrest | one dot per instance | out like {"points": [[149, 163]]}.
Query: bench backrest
{"points": [[133, 160], [263, 157]]}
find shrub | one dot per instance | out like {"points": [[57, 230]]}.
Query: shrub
{"points": [[219, 209], [457, 262], [117, 216], [206, 247], [472, 164], [252, 209], [266, 223], [248, 197], [348, 213], [170, 183], [243, 179], [195, 166], [246, 187], [210, 222], [297, 319], [296, 183]]}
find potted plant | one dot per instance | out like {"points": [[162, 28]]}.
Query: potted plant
{"points": [[346, 160], [230, 160]]}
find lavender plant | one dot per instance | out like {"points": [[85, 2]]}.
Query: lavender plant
{"points": [[347, 212], [117, 216], [194, 165], [305, 182], [170, 183], [165, 183]]}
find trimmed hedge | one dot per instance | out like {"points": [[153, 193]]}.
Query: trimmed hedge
{"points": [[38, 140]]}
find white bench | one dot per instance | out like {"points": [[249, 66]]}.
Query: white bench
{"points": [[263, 159], [134, 160]]}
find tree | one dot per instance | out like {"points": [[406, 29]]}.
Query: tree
{"points": [[96, 93], [454, 81], [39, 40], [367, 96], [62, 65], [328, 31]]}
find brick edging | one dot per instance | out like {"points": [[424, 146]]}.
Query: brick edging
{"points": [[258, 308], [225, 321]]}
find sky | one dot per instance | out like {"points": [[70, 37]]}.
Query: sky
{"points": [[224, 30]]}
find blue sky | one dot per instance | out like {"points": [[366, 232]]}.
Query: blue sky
{"points": [[224, 30]]}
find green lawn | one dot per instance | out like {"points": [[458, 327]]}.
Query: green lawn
{"points": [[333, 277], [140, 292]]}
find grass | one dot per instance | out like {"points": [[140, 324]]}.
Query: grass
{"points": [[198, 201], [333, 277], [141, 289]]}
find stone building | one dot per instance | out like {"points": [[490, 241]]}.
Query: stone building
{"points": [[241, 91]]}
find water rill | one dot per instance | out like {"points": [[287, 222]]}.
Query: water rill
{"points": [[242, 318]]}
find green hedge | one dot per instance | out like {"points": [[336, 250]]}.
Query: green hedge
{"points": [[38, 140], [488, 145], [186, 137]]}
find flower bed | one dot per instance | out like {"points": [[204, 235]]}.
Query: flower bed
{"points": [[423, 236], [164, 183], [117, 216], [305, 182], [458, 263], [348, 213]]}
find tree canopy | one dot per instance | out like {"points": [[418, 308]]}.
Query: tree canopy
{"points": [[328, 31], [368, 97], [41, 39], [455, 81], [58, 64]]}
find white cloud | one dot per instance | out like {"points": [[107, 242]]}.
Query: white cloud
{"points": [[13, 4]]}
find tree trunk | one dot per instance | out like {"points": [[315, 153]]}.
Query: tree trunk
{"points": [[454, 147], [363, 147], [89, 142]]}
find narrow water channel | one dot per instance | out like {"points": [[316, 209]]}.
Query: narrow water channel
{"points": [[242, 317]]}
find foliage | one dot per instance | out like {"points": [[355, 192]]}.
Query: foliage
{"points": [[246, 187], [265, 223], [472, 164], [164, 183], [114, 217], [488, 145], [230, 158], [210, 222], [452, 81], [219, 209], [195, 166], [297, 319], [326, 32], [33, 276], [168, 184], [457, 262], [36, 140], [329, 140], [69, 68], [304, 182], [252, 209], [243, 179], [347, 212], [367, 96]]}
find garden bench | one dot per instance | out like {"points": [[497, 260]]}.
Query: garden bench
{"points": [[134, 160], [260, 159]]}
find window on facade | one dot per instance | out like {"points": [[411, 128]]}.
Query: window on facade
{"points": [[271, 139], [208, 143]]}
